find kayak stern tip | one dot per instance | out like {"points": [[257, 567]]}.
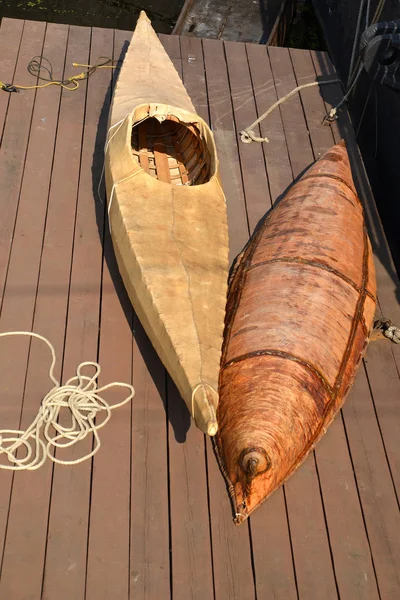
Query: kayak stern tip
{"points": [[204, 403]]}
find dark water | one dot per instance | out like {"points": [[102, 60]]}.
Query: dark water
{"points": [[119, 14], [305, 30]]}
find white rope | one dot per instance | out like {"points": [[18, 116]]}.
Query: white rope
{"points": [[108, 140], [112, 193], [81, 397], [392, 333], [332, 113], [247, 135]]}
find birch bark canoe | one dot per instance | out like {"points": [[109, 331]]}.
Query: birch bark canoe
{"points": [[167, 215], [300, 309]]}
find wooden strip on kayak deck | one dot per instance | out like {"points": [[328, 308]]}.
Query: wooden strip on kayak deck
{"points": [[149, 517]]}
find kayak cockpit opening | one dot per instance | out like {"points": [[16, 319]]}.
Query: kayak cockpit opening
{"points": [[171, 151]]}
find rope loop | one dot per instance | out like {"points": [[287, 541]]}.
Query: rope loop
{"points": [[8, 87], [80, 398]]}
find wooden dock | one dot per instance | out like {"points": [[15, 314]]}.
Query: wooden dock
{"points": [[149, 517]]}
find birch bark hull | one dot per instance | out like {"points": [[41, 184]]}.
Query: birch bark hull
{"points": [[301, 304]]}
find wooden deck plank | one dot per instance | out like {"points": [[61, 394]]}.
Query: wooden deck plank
{"points": [[20, 553], [15, 140], [383, 366], [150, 543], [312, 558], [368, 446], [380, 506], [296, 135], [377, 495], [273, 560], [52, 299], [194, 78], [348, 537], [65, 568], [10, 40], [382, 358], [385, 385], [255, 181], [192, 575], [108, 549], [223, 127], [387, 276], [233, 576], [12, 160], [276, 151]]}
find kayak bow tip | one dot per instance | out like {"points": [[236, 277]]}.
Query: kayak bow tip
{"points": [[143, 16]]}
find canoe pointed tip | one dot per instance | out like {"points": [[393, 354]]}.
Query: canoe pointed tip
{"points": [[240, 517], [143, 17]]}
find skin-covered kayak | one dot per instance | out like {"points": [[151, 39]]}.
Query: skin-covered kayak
{"points": [[301, 304], [168, 222]]}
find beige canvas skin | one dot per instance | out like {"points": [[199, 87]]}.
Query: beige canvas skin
{"points": [[170, 241]]}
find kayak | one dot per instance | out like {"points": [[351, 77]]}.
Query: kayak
{"points": [[168, 222], [300, 309]]}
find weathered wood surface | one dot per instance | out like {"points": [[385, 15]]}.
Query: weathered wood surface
{"points": [[234, 20], [149, 518]]}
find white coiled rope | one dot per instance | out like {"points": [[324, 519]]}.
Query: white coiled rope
{"points": [[81, 397]]}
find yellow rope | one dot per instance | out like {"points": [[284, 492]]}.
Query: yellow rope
{"points": [[72, 80], [80, 397], [95, 66], [70, 84]]}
